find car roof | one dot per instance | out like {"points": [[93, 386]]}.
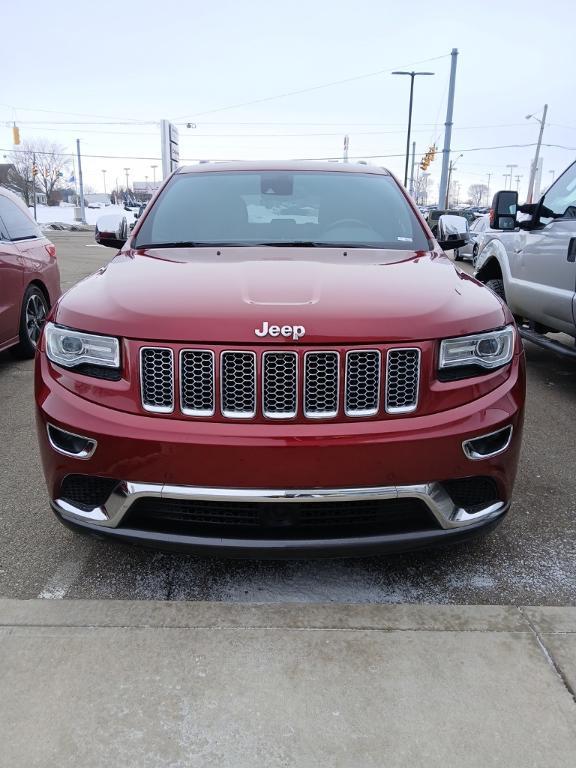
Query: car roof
{"points": [[282, 165], [16, 199]]}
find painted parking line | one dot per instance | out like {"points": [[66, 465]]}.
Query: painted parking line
{"points": [[58, 585]]}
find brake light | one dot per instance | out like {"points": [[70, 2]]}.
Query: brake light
{"points": [[51, 250]]}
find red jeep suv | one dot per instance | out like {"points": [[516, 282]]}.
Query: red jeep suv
{"points": [[280, 361]]}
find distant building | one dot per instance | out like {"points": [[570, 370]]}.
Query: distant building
{"points": [[96, 200], [143, 190]]}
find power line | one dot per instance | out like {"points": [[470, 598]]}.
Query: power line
{"points": [[304, 159], [309, 89], [62, 112]]}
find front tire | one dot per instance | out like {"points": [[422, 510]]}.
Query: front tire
{"points": [[498, 287], [32, 317], [457, 256]]}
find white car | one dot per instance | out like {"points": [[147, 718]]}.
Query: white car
{"points": [[478, 231]]}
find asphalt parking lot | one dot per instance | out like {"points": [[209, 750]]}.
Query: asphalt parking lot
{"points": [[529, 560]]}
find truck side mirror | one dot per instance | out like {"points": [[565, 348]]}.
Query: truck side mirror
{"points": [[111, 230], [453, 232], [504, 210]]}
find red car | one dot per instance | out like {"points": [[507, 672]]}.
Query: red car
{"points": [[29, 277], [280, 361]]}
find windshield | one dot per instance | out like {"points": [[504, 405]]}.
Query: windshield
{"points": [[282, 208]]}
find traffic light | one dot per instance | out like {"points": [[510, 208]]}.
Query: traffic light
{"points": [[15, 134], [34, 169], [428, 157]]}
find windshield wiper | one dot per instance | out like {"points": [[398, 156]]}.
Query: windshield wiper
{"points": [[279, 244], [175, 244], [314, 244]]}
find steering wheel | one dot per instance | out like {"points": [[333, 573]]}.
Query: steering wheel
{"points": [[347, 222]]}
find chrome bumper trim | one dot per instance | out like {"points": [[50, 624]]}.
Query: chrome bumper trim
{"points": [[472, 454], [447, 514]]}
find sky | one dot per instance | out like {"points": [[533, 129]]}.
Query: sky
{"points": [[107, 73]]}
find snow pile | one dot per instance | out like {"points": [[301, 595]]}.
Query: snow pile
{"points": [[64, 215]]}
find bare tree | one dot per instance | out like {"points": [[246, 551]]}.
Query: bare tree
{"points": [[421, 188], [477, 193], [51, 164], [19, 177]]}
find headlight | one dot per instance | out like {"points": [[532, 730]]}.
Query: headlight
{"points": [[482, 350], [73, 348]]}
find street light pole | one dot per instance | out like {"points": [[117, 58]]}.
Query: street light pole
{"points": [[104, 179], [537, 153], [411, 75], [511, 166], [488, 189], [127, 171], [154, 172]]}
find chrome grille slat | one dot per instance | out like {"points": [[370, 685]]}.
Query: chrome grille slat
{"points": [[280, 385], [321, 384], [402, 380], [197, 382], [362, 392], [157, 379], [238, 385]]}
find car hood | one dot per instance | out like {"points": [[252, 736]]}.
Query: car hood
{"points": [[221, 296]]}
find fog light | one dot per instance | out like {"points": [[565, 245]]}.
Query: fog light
{"points": [[486, 446], [70, 444]]}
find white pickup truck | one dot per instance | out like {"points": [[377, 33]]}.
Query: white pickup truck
{"points": [[531, 264]]}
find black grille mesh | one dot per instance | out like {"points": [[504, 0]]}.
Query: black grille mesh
{"points": [[472, 493], [86, 491], [279, 520]]}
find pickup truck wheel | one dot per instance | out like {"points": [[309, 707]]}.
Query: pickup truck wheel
{"points": [[498, 287], [457, 256], [32, 317]]}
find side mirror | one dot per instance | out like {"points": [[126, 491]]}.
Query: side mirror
{"points": [[453, 232], [504, 210], [112, 230]]}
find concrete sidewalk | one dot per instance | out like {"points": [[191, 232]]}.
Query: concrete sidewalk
{"points": [[158, 685]]}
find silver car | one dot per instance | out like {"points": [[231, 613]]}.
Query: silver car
{"points": [[478, 230]]}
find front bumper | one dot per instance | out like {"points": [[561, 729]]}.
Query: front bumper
{"points": [[452, 522], [407, 460]]}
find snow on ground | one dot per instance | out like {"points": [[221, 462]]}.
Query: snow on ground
{"points": [[64, 214]]}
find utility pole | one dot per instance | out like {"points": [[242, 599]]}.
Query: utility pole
{"points": [[80, 184], [442, 193], [154, 173], [451, 167], [511, 166], [537, 153], [518, 183], [127, 172], [411, 75], [412, 169], [488, 189]]}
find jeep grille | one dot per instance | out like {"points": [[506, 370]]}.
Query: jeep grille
{"points": [[281, 384]]}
